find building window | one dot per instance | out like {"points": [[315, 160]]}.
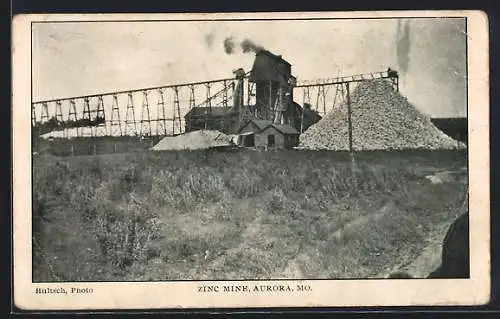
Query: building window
{"points": [[270, 140]]}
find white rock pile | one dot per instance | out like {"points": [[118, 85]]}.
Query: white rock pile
{"points": [[193, 140], [382, 119]]}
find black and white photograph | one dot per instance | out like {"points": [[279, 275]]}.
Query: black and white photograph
{"points": [[259, 157]]}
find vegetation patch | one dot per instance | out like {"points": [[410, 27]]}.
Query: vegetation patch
{"points": [[215, 215]]}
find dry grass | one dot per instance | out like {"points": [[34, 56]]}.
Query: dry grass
{"points": [[216, 215]]}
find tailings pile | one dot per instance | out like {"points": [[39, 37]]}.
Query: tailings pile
{"points": [[202, 139], [382, 119]]}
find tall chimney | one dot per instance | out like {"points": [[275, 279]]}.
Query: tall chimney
{"points": [[238, 90], [238, 94]]}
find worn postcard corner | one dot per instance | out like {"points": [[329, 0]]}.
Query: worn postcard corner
{"points": [[250, 160]]}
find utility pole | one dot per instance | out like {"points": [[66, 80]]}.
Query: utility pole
{"points": [[302, 120], [349, 120]]}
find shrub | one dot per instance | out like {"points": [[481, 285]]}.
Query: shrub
{"points": [[243, 182], [124, 231]]}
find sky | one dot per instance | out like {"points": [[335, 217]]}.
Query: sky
{"points": [[80, 58]]}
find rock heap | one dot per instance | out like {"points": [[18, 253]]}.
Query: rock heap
{"points": [[202, 139], [382, 119]]}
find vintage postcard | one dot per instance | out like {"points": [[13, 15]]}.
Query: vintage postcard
{"points": [[250, 160]]}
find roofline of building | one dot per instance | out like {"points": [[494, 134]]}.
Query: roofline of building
{"points": [[274, 56], [265, 127]]}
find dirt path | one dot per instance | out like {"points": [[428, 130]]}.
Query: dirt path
{"points": [[257, 238], [430, 257], [293, 267]]}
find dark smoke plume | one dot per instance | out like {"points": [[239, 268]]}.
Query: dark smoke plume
{"points": [[403, 46], [249, 46], [229, 45]]}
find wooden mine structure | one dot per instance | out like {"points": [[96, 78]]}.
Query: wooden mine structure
{"points": [[270, 81], [266, 93]]}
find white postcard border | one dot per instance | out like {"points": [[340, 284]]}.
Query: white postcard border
{"points": [[324, 293]]}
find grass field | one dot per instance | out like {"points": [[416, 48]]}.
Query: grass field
{"points": [[238, 215]]}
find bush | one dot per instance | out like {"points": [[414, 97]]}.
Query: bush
{"points": [[124, 231]]}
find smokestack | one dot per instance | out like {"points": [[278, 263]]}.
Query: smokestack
{"points": [[238, 94]]}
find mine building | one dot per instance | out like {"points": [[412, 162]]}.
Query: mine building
{"points": [[202, 118], [454, 127], [265, 134], [273, 82]]}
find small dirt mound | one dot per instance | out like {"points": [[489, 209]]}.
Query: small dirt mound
{"points": [[194, 140], [382, 119]]}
